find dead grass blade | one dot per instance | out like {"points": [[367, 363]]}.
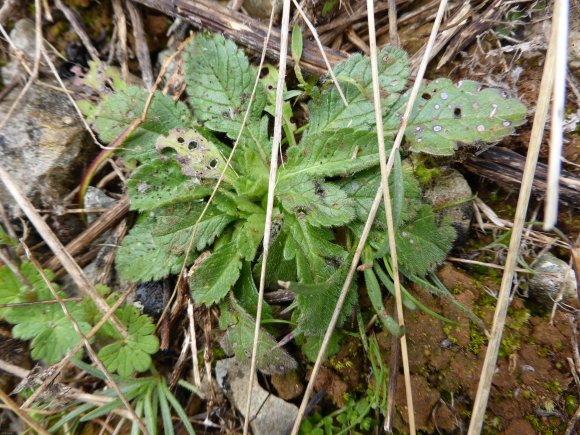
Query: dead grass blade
{"points": [[193, 335], [560, 23], [370, 219], [277, 139], [489, 363], [122, 34], [36, 65], [393, 33], [142, 48], [322, 52], [389, 211], [20, 413]]}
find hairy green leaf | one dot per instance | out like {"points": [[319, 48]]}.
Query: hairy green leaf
{"points": [[315, 303], [219, 82], [332, 153], [118, 111], [156, 245], [248, 235], [239, 338], [354, 75], [51, 332], [160, 184], [132, 354], [216, 275], [246, 293], [320, 203], [316, 256], [422, 244]]}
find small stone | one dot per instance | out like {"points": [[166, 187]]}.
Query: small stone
{"points": [[150, 298], [289, 385], [269, 414], [41, 148], [553, 276], [451, 187], [262, 8], [96, 198]]}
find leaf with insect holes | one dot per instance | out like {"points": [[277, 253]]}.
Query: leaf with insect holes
{"points": [[216, 275], [197, 156], [51, 331], [328, 112], [156, 245], [332, 153], [118, 110], [315, 303], [160, 184], [239, 338], [422, 243], [447, 116], [220, 81], [133, 353]]}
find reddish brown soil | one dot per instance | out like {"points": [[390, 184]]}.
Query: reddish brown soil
{"points": [[531, 386]]}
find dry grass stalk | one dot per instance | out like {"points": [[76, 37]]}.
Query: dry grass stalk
{"points": [[389, 211], [276, 140], [560, 22], [393, 33], [322, 52], [489, 363], [123, 55], [142, 48], [36, 66], [193, 335], [369, 222], [104, 222], [76, 23], [20, 413], [85, 342]]}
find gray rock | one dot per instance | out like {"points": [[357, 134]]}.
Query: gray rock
{"points": [[23, 37], [553, 276], [270, 415], [43, 145], [451, 188], [151, 299], [96, 198], [262, 8]]}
